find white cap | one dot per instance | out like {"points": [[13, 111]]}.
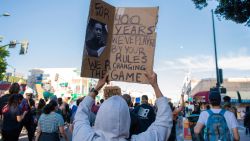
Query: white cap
{"points": [[29, 90]]}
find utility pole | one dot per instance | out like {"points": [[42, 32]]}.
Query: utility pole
{"points": [[14, 70], [215, 53]]}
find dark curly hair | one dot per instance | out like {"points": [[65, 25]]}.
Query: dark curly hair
{"points": [[50, 107], [14, 88]]}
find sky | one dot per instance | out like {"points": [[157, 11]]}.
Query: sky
{"points": [[56, 32]]}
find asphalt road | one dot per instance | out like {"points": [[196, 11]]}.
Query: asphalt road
{"points": [[24, 136], [243, 136]]}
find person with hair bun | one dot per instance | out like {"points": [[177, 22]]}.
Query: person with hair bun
{"points": [[39, 109], [49, 123]]}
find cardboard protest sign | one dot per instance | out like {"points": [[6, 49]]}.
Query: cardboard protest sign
{"points": [[111, 91], [39, 90], [130, 46], [133, 44], [98, 39]]}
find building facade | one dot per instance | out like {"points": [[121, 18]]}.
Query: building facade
{"points": [[232, 85], [62, 82]]}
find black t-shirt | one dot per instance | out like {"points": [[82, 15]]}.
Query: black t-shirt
{"points": [[145, 116], [29, 117], [10, 122], [95, 44], [247, 120]]}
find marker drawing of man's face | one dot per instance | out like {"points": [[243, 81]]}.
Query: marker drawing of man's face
{"points": [[98, 30]]}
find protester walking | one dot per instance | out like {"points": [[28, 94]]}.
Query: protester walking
{"points": [[50, 124], [29, 121], [221, 125], [176, 112], [228, 105], [39, 109], [64, 108], [135, 121], [71, 125], [14, 89], [247, 120], [12, 117], [145, 114]]}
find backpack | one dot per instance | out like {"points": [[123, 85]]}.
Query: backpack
{"points": [[217, 129], [4, 101], [5, 109]]}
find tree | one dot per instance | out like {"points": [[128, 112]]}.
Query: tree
{"points": [[3, 64], [235, 10]]}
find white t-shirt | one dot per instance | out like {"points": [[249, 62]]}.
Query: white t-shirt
{"points": [[229, 116]]}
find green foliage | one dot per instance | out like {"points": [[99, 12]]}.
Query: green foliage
{"points": [[3, 64], [200, 3], [235, 10]]}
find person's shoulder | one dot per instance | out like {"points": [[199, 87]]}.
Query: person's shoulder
{"points": [[3, 95], [19, 108], [136, 108], [6, 96], [147, 106], [229, 114], [204, 113], [142, 106], [57, 115], [3, 98], [42, 116]]}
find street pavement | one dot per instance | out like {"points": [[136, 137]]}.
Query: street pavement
{"points": [[24, 136], [179, 133], [243, 136]]}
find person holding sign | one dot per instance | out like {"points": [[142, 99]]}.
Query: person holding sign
{"points": [[113, 118], [95, 40], [176, 112]]}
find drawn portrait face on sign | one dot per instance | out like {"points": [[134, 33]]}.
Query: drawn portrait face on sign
{"points": [[96, 38]]}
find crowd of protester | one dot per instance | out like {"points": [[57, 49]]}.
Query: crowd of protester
{"points": [[112, 119], [20, 111]]}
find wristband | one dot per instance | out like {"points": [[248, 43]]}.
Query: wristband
{"points": [[94, 91]]}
